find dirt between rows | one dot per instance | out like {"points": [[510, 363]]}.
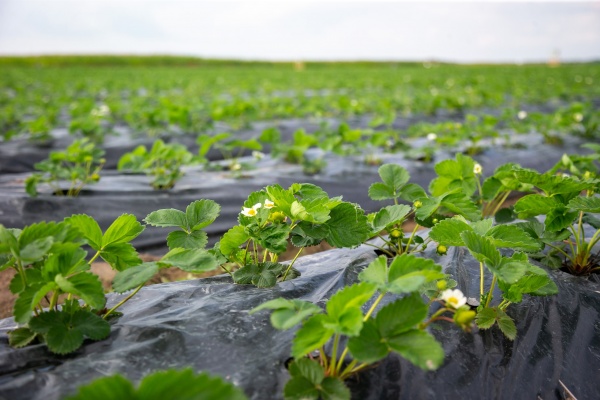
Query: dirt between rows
{"points": [[107, 274]]}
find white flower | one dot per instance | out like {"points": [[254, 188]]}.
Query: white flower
{"points": [[251, 212], [454, 298], [235, 167], [477, 169], [522, 114], [259, 155], [101, 111], [578, 117], [269, 204], [431, 137]]}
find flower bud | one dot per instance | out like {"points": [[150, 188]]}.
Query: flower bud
{"points": [[418, 204], [396, 233], [464, 317], [441, 249], [277, 217], [442, 285]]}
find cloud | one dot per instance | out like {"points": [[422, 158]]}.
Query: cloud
{"points": [[304, 30]]}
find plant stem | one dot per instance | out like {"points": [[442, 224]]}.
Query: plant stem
{"points": [[481, 271], [500, 203], [119, 304], [489, 297], [380, 248], [54, 299], [323, 358], [292, 263], [561, 250], [375, 304], [348, 370], [411, 237], [336, 343], [95, 257]]}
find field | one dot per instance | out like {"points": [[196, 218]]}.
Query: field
{"points": [[394, 195]]}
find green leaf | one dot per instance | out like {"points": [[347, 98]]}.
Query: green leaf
{"points": [[185, 384], [560, 218], [274, 238], [411, 192], [418, 347], [66, 261], [36, 250], [28, 299], [309, 369], [232, 240], [134, 277], [190, 260], [64, 332], [111, 387], [89, 228], [85, 285], [348, 226], [511, 236], [591, 220], [390, 215], [376, 273], [167, 217], [90, 324], [62, 340], [401, 315], [282, 198], [552, 184], [20, 337], [120, 256], [459, 204], [408, 273], [486, 318], [8, 241], [261, 275], [369, 346], [507, 325], [44, 321], [306, 234], [312, 335], [535, 204], [448, 231], [287, 313], [309, 382], [428, 207], [202, 213], [482, 248], [510, 269], [344, 308], [122, 230], [454, 174], [194, 240], [394, 175], [381, 191]]}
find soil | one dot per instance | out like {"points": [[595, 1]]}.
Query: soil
{"points": [[107, 274]]}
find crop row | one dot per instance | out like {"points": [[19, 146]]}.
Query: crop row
{"points": [[460, 208]]}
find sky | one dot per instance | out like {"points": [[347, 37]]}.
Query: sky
{"points": [[484, 31]]}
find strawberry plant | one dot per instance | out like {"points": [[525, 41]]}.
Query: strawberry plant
{"points": [[358, 339], [231, 149], [303, 214], [51, 264], [163, 163], [78, 165], [514, 275], [567, 202], [183, 384]]}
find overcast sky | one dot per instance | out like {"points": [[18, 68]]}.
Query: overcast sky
{"points": [[330, 30]]}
